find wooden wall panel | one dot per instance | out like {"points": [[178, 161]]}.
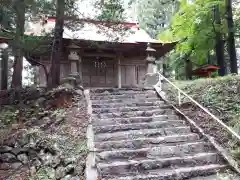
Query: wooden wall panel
{"points": [[132, 72]]}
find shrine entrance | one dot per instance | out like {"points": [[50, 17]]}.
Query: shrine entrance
{"points": [[99, 72]]}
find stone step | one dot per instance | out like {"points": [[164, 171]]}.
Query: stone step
{"points": [[146, 142], [138, 136], [128, 109], [139, 100], [120, 168], [121, 92], [147, 113], [133, 134], [124, 96], [135, 126], [182, 173], [130, 120], [227, 175], [160, 151], [129, 104]]}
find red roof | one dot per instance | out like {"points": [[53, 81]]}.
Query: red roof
{"points": [[4, 39], [205, 70]]}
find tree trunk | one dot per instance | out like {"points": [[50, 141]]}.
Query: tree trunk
{"points": [[231, 40], [54, 80], [4, 68], [209, 60], [188, 69], [19, 7], [219, 44]]}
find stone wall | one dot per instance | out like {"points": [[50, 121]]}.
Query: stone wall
{"points": [[49, 141]]}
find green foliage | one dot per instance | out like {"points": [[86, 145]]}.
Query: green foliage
{"points": [[44, 173], [8, 115], [195, 24], [111, 10], [220, 94], [6, 15], [236, 12], [154, 16], [195, 29], [82, 147]]}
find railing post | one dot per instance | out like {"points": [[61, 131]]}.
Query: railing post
{"points": [[179, 98], [160, 82]]}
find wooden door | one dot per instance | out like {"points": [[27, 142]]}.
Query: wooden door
{"points": [[132, 75], [99, 73]]}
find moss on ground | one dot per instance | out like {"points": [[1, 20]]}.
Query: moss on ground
{"points": [[221, 96]]}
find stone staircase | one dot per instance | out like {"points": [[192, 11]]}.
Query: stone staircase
{"points": [[137, 136]]}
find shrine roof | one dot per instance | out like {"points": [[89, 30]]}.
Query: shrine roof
{"points": [[205, 69], [4, 39], [94, 30]]}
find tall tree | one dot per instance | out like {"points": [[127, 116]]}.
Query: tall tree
{"points": [[111, 10], [198, 31], [219, 43], [6, 22], [20, 9], [155, 16], [33, 9], [57, 45], [231, 39], [4, 70]]}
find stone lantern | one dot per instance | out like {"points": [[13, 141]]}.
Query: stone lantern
{"points": [[151, 77], [151, 60], [74, 58], [75, 61]]}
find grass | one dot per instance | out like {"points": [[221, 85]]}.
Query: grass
{"points": [[220, 94]]}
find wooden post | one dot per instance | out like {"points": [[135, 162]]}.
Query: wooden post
{"points": [[3, 69], [80, 69], [119, 72]]}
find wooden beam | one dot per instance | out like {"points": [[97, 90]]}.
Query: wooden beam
{"points": [[99, 55]]}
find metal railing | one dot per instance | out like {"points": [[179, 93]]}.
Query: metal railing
{"points": [[158, 88]]}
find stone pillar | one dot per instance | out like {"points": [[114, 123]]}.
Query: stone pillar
{"points": [[74, 67], [119, 73]]}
